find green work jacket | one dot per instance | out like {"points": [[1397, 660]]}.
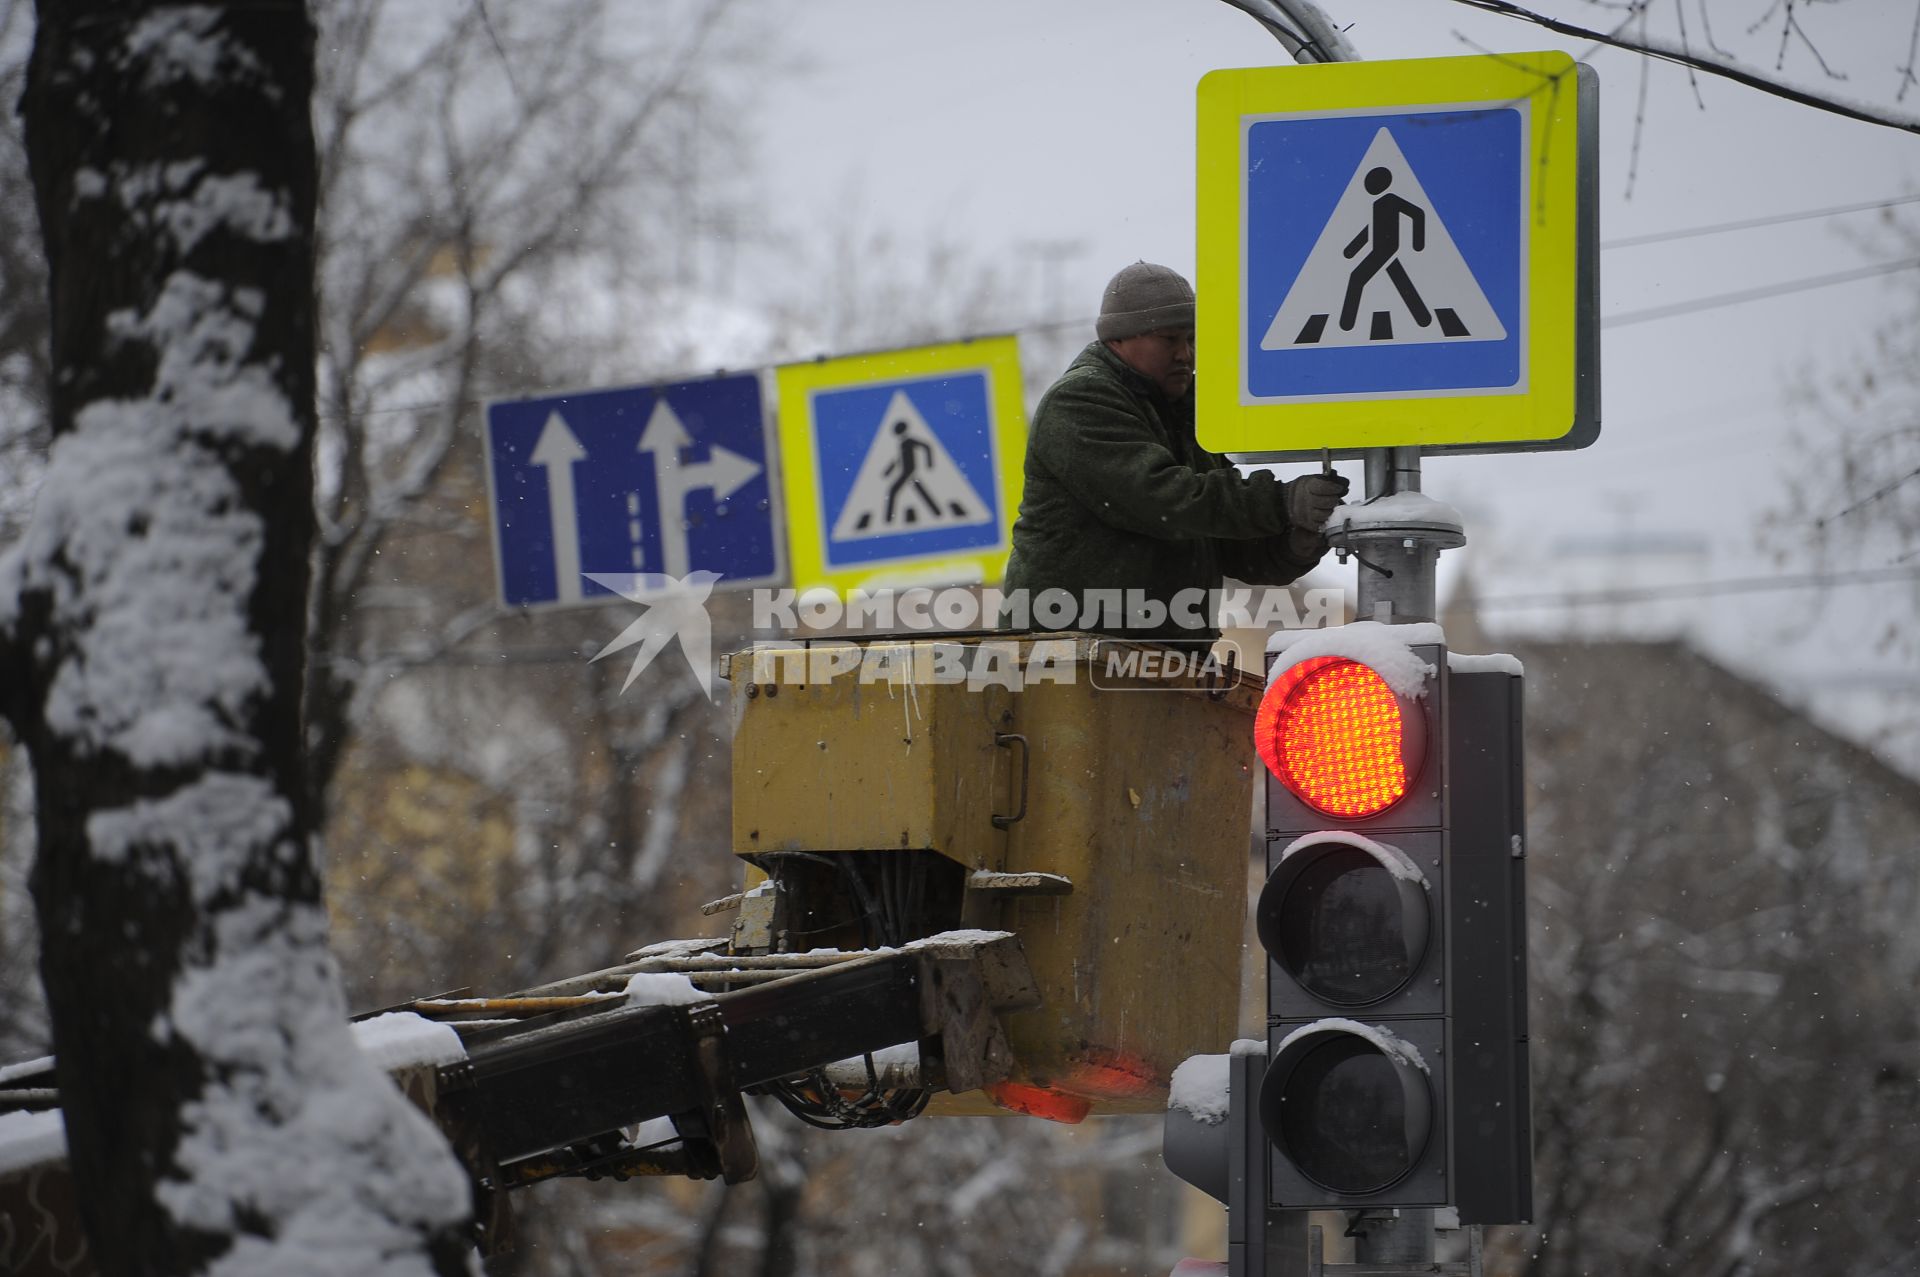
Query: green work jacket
{"points": [[1120, 496]]}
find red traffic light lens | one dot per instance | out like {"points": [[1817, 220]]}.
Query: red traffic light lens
{"points": [[1334, 732]]}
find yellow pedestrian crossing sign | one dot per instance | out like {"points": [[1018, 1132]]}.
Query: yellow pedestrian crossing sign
{"points": [[902, 467], [1398, 253]]}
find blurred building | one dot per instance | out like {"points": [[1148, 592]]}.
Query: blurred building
{"points": [[1837, 649]]}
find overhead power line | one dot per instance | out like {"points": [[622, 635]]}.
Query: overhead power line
{"points": [[1715, 302], [1754, 223], [1702, 589], [1619, 320], [1609, 321]]}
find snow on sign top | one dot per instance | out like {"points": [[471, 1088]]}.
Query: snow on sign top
{"points": [[1397, 253]]}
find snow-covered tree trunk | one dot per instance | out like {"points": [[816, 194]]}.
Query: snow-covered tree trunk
{"points": [[219, 1116]]}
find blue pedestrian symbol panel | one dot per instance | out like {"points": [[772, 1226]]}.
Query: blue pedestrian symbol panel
{"points": [[649, 479], [1385, 254], [906, 468]]}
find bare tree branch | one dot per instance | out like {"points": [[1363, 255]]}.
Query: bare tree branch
{"points": [[1913, 48], [1713, 64]]}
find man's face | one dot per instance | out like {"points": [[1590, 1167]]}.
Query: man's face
{"points": [[1164, 358]]}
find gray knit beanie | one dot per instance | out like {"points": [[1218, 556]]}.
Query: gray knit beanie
{"points": [[1144, 298]]}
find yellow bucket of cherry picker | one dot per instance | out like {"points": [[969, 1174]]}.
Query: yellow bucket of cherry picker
{"points": [[1091, 796]]}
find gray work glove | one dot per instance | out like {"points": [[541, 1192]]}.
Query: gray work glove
{"points": [[1310, 501], [1305, 547]]}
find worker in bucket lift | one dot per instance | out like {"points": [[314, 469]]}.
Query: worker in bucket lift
{"points": [[1121, 497]]}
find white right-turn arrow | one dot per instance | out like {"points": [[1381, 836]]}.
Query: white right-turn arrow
{"points": [[724, 473]]}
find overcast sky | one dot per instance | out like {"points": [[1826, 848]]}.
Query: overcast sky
{"points": [[1010, 124]]}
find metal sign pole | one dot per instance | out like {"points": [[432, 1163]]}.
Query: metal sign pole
{"points": [[1397, 562], [1396, 576], [1396, 582], [1491, 346]]}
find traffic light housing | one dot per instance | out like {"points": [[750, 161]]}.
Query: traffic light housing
{"points": [[1393, 920], [1352, 918], [1487, 882]]}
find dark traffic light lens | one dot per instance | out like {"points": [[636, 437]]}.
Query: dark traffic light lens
{"points": [[1346, 1115], [1342, 925]]}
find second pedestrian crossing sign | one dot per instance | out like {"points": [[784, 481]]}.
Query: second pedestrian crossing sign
{"points": [[903, 467], [1398, 253]]}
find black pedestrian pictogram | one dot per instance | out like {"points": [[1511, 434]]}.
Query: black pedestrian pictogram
{"points": [[908, 482], [908, 465], [1384, 228], [1384, 231]]}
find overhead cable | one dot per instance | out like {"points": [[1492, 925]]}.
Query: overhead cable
{"points": [[1753, 223], [1623, 318], [1701, 589]]}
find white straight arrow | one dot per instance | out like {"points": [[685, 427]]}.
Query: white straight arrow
{"points": [[556, 452], [723, 473]]}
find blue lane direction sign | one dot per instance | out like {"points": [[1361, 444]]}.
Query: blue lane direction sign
{"points": [[660, 479]]}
